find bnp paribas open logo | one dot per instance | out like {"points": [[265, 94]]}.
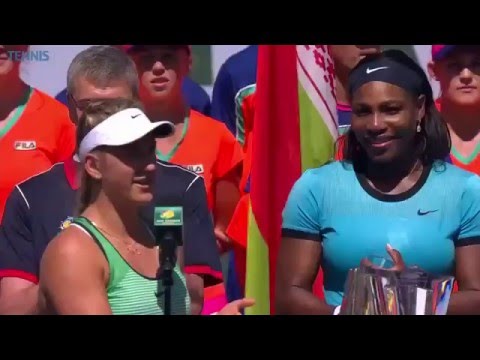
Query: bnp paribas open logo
{"points": [[29, 55]]}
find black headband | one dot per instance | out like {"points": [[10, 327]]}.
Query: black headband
{"points": [[386, 70]]}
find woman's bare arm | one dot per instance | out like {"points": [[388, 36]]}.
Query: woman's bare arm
{"points": [[467, 300], [467, 253], [297, 268], [72, 275]]}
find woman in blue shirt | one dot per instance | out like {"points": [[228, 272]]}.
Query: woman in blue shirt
{"points": [[393, 193]]}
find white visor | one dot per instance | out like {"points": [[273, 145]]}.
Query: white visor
{"points": [[122, 128]]}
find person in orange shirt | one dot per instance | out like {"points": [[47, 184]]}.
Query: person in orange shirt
{"points": [[35, 129], [200, 143], [457, 69]]}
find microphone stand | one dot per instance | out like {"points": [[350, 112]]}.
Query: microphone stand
{"points": [[168, 259]]}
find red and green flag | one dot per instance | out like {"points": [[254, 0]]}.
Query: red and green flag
{"points": [[295, 128]]}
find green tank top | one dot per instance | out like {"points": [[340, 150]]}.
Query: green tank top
{"points": [[130, 293]]}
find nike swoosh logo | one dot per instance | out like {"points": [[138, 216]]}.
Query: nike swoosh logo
{"points": [[369, 71], [134, 116], [421, 213]]}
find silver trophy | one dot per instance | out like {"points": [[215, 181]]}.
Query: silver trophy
{"points": [[379, 291]]}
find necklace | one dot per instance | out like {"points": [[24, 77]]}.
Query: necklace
{"points": [[130, 245], [416, 166]]}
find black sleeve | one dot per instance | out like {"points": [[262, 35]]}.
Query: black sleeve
{"points": [[17, 251], [200, 248]]}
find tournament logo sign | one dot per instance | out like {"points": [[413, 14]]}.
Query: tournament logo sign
{"points": [[168, 216]]}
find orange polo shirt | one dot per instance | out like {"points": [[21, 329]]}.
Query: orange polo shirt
{"points": [[38, 135], [206, 148]]}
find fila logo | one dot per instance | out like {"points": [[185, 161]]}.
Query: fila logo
{"points": [[25, 145], [197, 169]]}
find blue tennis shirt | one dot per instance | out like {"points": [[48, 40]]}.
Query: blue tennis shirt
{"points": [[336, 206]]}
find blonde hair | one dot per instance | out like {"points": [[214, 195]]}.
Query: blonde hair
{"points": [[94, 114]]}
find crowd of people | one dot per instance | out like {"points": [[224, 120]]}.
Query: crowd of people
{"points": [[81, 175]]}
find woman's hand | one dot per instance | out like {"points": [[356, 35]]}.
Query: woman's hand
{"points": [[398, 263], [235, 307], [223, 242]]}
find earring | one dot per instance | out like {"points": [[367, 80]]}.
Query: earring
{"points": [[419, 128]]}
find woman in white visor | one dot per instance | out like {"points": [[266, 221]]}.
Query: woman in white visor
{"points": [[108, 262]]}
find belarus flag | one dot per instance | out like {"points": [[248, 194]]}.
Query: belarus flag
{"points": [[295, 128]]}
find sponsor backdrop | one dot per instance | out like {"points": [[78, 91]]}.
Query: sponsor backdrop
{"points": [[50, 75]]}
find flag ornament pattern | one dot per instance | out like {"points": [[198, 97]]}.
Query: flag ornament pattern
{"points": [[295, 128]]}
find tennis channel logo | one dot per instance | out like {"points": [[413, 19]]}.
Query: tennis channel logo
{"points": [[31, 55]]}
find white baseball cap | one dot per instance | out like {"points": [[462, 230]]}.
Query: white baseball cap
{"points": [[123, 128]]}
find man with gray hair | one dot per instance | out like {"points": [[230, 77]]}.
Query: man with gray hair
{"points": [[197, 97], [98, 73], [40, 207]]}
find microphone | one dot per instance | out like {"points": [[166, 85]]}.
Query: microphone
{"points": [[168, 225]]}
